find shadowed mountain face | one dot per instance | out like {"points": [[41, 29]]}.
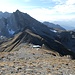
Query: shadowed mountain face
{"points": [[29, 30], [5, 14], [68, 39]]}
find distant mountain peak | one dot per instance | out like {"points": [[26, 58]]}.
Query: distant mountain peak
{"points": [[4, 14], [1, 12], [54, 26], [18, 10]]}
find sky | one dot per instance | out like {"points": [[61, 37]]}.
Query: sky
{"points": [[42, 10]]}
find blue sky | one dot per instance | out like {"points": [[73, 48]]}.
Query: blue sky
{"points": [[42, 10]]}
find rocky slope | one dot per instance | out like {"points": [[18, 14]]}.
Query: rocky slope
{"points": [[33, 61], [68, 39]]}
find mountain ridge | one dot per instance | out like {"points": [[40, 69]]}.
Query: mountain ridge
{"points": [[19, 22], [54, 26], [4, 14]]}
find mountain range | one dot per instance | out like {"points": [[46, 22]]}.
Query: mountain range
{"points": [[23, 28], [67, 24], [54, 26], [5, 14]]}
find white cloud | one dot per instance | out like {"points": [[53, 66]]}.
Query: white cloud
{"points": [[43, 14], [56, 1], [65, 9], [45, 0], [59, 1], [70, 2], [61, 11], [6, 5], [26, 0], [64, 6]]}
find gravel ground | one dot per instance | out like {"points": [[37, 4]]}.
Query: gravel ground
{"points": [[28, 61]]}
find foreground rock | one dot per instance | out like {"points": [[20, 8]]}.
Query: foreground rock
{"points": [[30, 61]]}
